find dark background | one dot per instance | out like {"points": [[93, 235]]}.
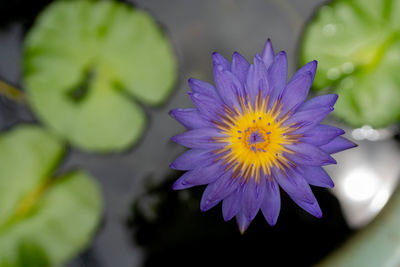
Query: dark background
{"points": [[145, 222]]}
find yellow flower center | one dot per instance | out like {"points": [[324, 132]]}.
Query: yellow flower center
{"points": [[255, 139]]}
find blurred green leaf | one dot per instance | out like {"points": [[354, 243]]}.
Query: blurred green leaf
{"points": [[30, 255], [85, 64], [43, 220], [357, 45]]}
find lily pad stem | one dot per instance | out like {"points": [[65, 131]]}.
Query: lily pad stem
{"points": [[12, 93]]}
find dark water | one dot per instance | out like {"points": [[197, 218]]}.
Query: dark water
{"points": [[145, 222], [175, 233]]}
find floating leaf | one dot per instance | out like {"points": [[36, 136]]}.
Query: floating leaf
{"points": [[43, 220], [357, 45], [84, 64]]}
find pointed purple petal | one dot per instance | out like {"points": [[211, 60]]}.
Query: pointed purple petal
{"points": [[228, 86], [232, 204], [190, 118], [321, 135], [307, 154], [316, 176], [251, 87], [257, 79], [192, 159], [338, 144], [271, 204], [218, 190], [268, 54], [199, 138], [312, 208], [319, 102], [218, 59], [240, 67], [310, 67], [208, 106], [293, 184], [253, 195], [295, 92], [277, 76], [204, 88], [199, 176], [242, 221], [307, 119]]}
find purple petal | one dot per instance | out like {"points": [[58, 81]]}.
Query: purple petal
{"points": [[319, 102], [252, 87], [218, 59], [253, 195], [295, 92], [228, 86], [190, 118], [204, 88], [338, 144], [310, 67], [316, 176], [312, 208], [192, 159], [199, 138], [293, 184], [307, 119], [321, 135], [240, 67], [307, 154], [257, 79], [232, 204], [268, 54], [208, 106], [199, 176], [218, 190], [277, 75], [271, 204], [242, 221]]}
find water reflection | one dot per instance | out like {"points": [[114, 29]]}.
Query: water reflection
{"points": [[361, 183], [366, 177], [172, 230]]}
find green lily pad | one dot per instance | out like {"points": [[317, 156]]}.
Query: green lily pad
{"points": [[44, 220], [87, 63], [357, 45]]}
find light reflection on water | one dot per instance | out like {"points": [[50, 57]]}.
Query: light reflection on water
{"points": [[366, 176]]}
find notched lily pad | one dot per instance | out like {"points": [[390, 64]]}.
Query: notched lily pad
{"points": [[86, 63], [44, 220], [357, 45]]}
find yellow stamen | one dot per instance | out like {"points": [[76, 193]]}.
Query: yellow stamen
{"points": [[255, 139]]}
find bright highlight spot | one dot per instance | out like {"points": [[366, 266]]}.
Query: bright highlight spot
{"points": [[361, 184], [347, 67], [366, 132], [380, 200], [333, 74], [329, 30], [347, 83]]}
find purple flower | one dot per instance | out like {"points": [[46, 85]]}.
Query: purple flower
{"points": [[254, 132]]}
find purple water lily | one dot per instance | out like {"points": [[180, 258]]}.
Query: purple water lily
{"points": [[254, 132]]}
